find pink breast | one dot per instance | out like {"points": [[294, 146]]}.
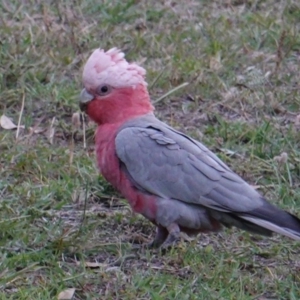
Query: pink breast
{"points": [[109, 166]]}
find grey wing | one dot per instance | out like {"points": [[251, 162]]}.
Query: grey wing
{"points": [[169, 164]]}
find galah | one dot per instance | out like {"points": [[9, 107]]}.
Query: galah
{"points": [[170, 178]]}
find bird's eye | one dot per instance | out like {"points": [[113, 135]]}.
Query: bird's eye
{"points": [[103, 90]]}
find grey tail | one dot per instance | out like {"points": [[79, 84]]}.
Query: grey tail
{"points": [[269, 218]]}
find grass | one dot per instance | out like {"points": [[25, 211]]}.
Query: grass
{"points": [[62, 226]]}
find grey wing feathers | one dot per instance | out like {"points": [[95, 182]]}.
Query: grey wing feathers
{"points": [[169, 164], [164, 162]]}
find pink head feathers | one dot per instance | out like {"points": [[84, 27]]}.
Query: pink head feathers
{"points": [[111, 68]]}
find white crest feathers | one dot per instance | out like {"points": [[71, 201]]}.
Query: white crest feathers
{"points": [[111, 68]]}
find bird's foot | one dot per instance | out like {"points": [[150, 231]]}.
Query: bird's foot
{"points": [[165, 238], [160, 236], [173, 237]]}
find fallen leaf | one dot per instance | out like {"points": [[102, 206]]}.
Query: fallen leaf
{"points": [[36, 130], [76, 120], [94, 264], [256, 187], [230, 94], [51, 131], [230, 152], [215, 62], [66, 294], [297, 121], [113, 269], [7, 123], [282, 158]]}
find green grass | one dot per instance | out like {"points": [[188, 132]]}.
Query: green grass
{"points": [[57, 215]]}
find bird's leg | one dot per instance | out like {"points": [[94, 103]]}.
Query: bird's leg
{"points": [[164, 237], [173, 236], [160, 237]]}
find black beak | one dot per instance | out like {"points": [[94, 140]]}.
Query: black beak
{"points": [[83, 106]]}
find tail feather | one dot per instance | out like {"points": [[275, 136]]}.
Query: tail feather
{"points": [[274, 219], [263, 220], [275, 228], [229, 220]]}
